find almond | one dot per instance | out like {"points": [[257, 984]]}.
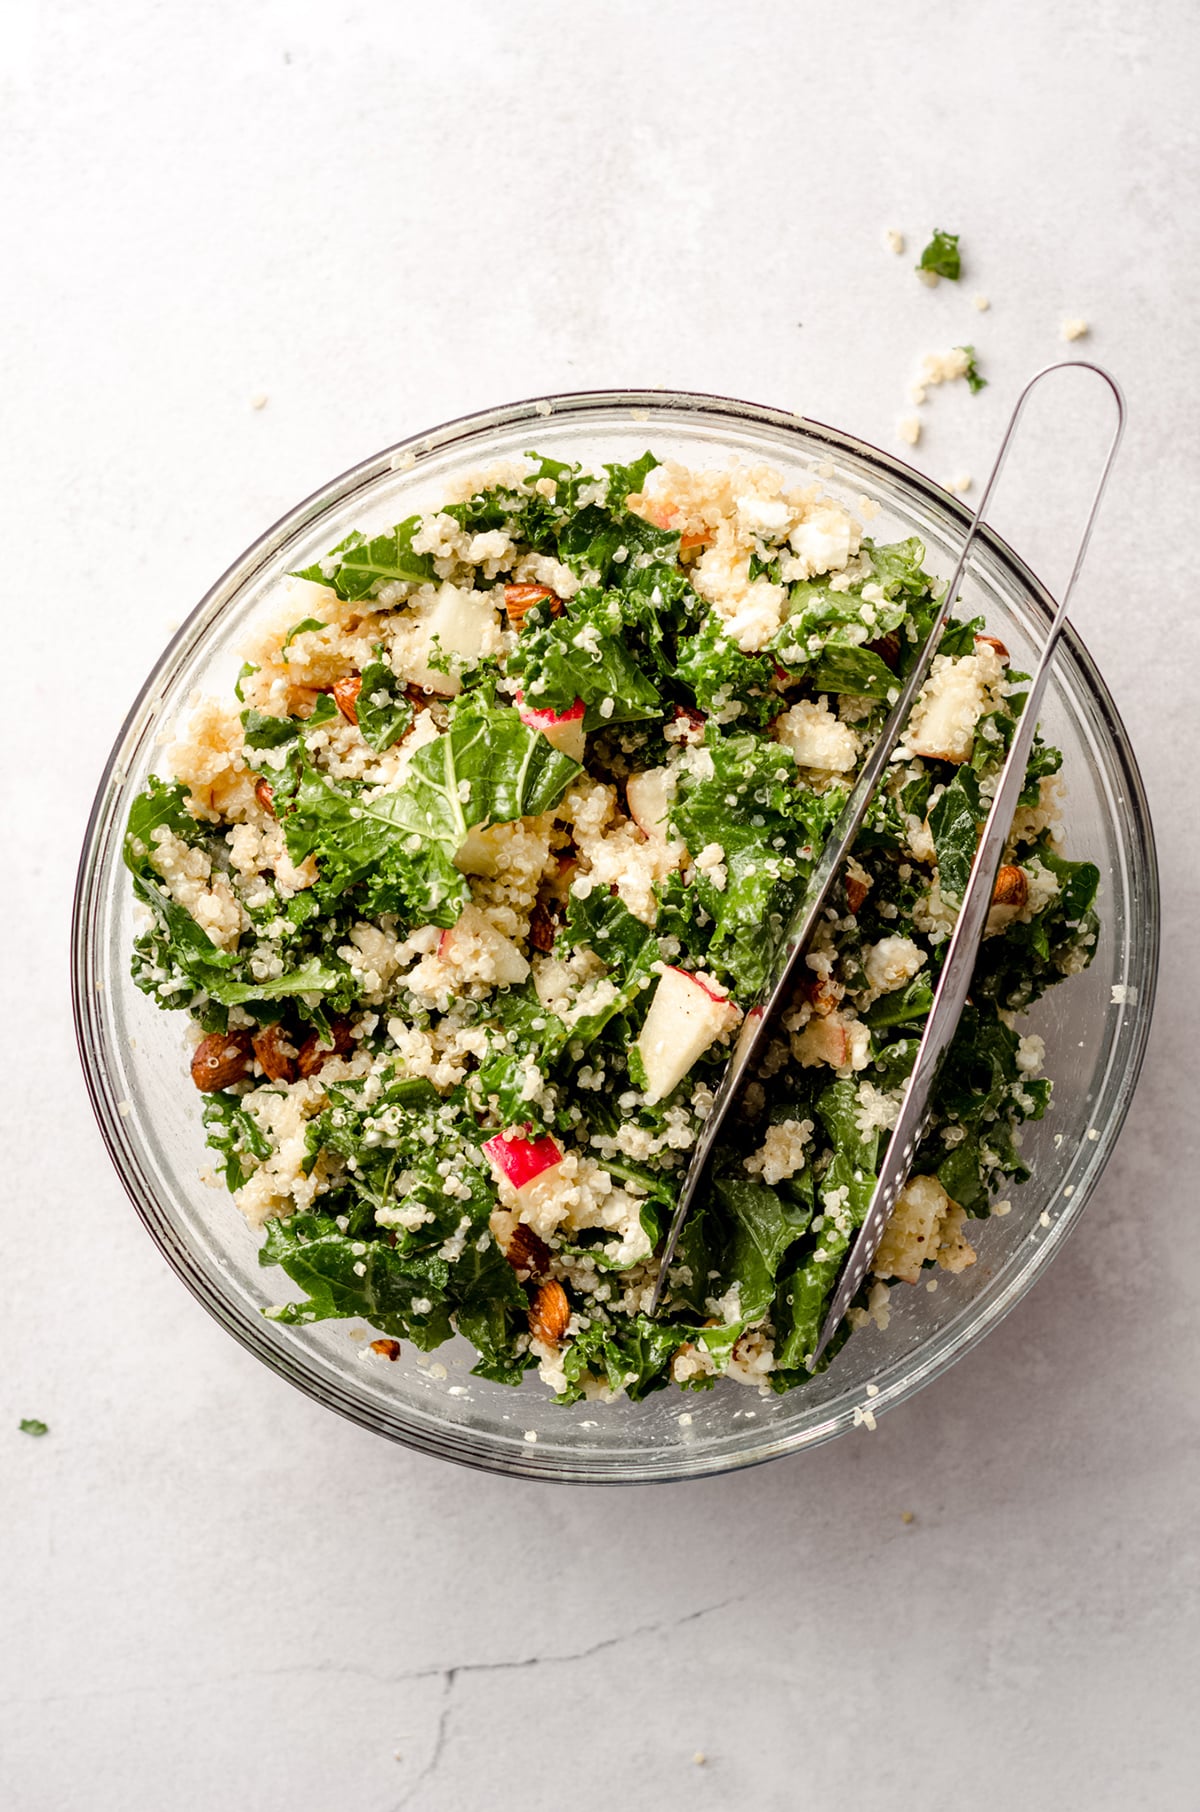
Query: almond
{"points": [[887, 648], [221, 1058], [387, 1349], [313, 1053], [856, 892], [264, 793], [549, 1313], [520, 598], [526, 1252], [543, 927], [276, 1054], [1012, 887], [345, 696], [994, 642]]}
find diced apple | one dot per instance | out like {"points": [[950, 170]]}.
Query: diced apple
{"points": [[843, 1043], [309, 598], [564, 729], [685, 1016], [650, 795], [824, 1039], [520, 1161], [688, 725], [478, 854], [480, 952], [461, 622]]}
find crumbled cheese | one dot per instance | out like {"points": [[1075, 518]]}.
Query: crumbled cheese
{"points": [[925, 1224], [1074, 329], [959, 690], [945, 367], [909, 429]]}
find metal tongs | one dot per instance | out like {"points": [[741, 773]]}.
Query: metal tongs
{"points": [[958, 967]]}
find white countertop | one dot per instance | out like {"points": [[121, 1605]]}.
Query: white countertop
{"points": [[216, 1593]]}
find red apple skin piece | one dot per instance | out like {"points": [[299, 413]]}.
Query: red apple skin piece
{"points": [[695, 721], [649, 794], [713, 993], [521, 1161], [562, 729], [538, 719]]}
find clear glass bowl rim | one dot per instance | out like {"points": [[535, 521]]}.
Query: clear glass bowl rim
{"points": [[941, 1350]]}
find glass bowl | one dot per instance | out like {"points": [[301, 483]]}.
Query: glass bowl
{"points": [[1094, 1026]]}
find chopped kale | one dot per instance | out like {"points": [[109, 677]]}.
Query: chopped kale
{"points": [[941, 256]]}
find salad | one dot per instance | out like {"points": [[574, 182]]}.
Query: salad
{"points": [[466, 886]]}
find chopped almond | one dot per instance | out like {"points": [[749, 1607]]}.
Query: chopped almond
{"points": [[856, 892], [1012, 887], [313, 1053], [276, 1054], [887, 648], [549, 1313], [387, 1349], [994, 642], [220, 1059], [520, 598], [345, 696], [265, 795], [526, 1252], [543, 927]]}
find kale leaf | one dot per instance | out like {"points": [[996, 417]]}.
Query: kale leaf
{"points": [[585, 654], [399, 1293], [233, 1132], [720, 675], [381, 709], [771, 831], [849, 1179], [762, 1228], [399, 848], [941, 256], [358, 564], [975, 383], [954, 825]]}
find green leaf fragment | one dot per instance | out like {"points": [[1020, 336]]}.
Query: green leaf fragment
{"points": [[941, 256]]}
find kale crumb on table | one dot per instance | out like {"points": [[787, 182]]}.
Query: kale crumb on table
{"points": [[466, 887]]}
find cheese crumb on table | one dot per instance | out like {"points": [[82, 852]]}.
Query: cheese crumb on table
{"points": [[909, 429], [1074, 329]]}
